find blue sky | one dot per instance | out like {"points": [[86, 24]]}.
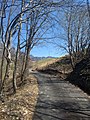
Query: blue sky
{"points": [[48, 49], [44, 51], [51, 49]]}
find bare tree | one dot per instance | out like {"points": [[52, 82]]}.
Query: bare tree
{"points": [[88, 8], [35, 16]]}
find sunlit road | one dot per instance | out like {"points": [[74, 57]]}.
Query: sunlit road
{"points": [[59, 100]]}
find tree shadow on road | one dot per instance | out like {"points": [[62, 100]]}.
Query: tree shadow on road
{"points": [[49, 110], [58, 109]]}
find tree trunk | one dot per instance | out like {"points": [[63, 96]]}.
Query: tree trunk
{"points": [[17, 52], [25, 63]]}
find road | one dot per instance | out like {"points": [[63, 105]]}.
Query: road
{"points": [[60, 100]]}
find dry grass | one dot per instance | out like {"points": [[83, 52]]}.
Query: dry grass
{"points": [[21, 105], [61, 64], [43, 63]]}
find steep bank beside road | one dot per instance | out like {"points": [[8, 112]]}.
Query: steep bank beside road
{"points": [[81, 75]]}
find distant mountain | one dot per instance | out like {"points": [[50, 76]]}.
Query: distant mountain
{"points": [[13, 52], [33, 58]]}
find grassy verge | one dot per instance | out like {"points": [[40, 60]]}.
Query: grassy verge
{"points": [[21, 105]]}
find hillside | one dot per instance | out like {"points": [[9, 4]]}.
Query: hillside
{"points": [[61, 65], [80, 76]]}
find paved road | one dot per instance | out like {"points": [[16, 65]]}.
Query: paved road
{"points": [[60, 100]]}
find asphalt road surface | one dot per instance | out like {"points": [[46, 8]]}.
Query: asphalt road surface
{"points": [[60, 100]]}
